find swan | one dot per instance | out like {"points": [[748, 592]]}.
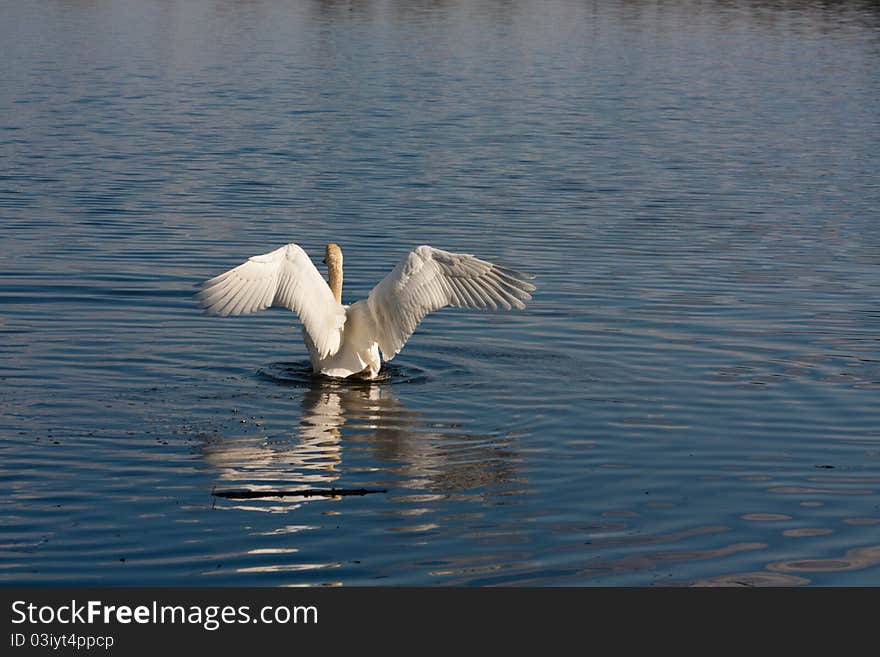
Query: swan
{"points": [[346, 341]]}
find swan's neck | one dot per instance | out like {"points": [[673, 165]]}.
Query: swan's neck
{"points": [[335, 271]]}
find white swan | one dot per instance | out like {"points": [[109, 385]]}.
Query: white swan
{"points": [[345, 341]]}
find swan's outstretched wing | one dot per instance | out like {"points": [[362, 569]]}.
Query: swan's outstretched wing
{"points": [[285, 277], [428, 279]]}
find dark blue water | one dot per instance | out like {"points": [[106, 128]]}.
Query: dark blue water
{"points": [[691, 397]]}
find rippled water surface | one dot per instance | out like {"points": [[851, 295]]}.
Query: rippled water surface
{"points": [[691, 397]]}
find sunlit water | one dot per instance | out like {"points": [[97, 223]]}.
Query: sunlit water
{"points": [[691, 398]]}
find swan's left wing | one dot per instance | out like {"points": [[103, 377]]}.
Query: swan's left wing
{"points": [[284, 277], [427, 279]]}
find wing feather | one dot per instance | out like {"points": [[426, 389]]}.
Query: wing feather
{"points": [[428, 279], [285, 277]]}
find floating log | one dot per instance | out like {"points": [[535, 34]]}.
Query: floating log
{"points": [[308, 492]]}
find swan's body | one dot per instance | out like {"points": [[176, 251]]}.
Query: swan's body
{"points": [[352, 340]]}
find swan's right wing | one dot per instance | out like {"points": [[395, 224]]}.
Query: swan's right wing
{"points": [[285, 277], [427, 279]]}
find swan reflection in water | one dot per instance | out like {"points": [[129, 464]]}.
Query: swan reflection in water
{"points": [[378, 433]]}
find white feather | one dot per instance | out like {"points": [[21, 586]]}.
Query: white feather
{"points": [[428, 279], [285, 277]]}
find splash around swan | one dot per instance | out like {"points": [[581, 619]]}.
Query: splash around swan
{"points": [[301, 374], [352, 341]]}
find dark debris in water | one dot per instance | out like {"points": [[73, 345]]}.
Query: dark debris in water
{"points": [[309, 492]]}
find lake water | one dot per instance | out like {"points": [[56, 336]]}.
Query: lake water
{"points": [[690, 398]]}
